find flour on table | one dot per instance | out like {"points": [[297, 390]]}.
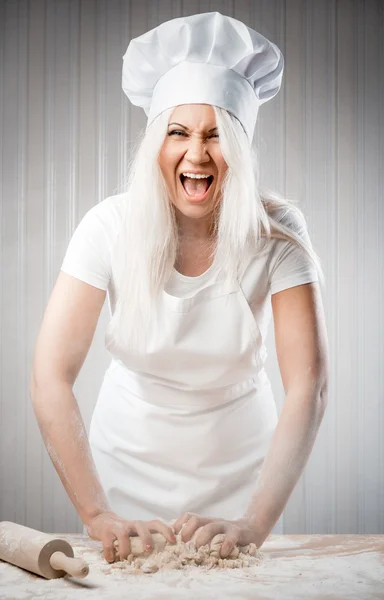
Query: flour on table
{"points": [[182, 554], [293, 567]]}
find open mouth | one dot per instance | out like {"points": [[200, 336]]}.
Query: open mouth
{"points": [[196, 189]]}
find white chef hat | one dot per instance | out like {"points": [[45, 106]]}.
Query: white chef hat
{"points": [[207, 58]]}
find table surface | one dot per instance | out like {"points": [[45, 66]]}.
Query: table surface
{"points": [[293, 566]]}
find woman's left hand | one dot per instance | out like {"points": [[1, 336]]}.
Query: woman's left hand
{"points": [[240, 531]]}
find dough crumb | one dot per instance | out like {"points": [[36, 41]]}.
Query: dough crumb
{"points": [[184, 554]]}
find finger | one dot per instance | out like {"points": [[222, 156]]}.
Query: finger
{"points": [[206, 533], [124, 545], [109, 549], [190, 527], [144, 534], [228, 544], [178, 524], [163, 528]]}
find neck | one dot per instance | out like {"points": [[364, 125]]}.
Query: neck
{"points": [[194, 229]]}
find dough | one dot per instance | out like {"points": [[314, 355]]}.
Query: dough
{"points": [[179, 555]]}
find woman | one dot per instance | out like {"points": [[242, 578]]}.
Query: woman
{"points": [[185, 429]]}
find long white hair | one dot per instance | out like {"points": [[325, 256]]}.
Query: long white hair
{"points": [[145, 253]]}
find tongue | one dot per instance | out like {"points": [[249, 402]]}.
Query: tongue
{"points": [[195, 187]]}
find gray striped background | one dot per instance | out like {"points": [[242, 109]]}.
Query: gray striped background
{"points": [[65, 134]]}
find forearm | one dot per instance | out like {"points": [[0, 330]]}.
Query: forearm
{"points": [[66, 440], [287, 456]]}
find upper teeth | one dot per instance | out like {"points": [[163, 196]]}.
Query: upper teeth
{"points": [[195, 175]]}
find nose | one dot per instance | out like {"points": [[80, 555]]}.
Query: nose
{"points": [[197, 151]]}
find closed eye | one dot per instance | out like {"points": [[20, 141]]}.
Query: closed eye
{"points": [[177, 132]]}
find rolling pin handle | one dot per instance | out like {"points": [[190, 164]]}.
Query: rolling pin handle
{"points": [[76, 567]]}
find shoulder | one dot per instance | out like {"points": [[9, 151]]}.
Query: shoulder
{"points": [[110, 209], [105, 217], [289, 230], [99, 227], [89, 253], [286, 223], [290, 217], [288, 255]]}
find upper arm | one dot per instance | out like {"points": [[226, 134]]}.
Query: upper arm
{"points": [[67, 330], [301, 337]]}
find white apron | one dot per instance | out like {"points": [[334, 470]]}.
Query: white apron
{"points": [[186, 426]]}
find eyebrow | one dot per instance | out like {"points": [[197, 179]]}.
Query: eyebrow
{"points": [[184, 127]]}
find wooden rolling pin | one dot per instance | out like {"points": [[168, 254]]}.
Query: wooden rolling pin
{"points": [[39, 552]]}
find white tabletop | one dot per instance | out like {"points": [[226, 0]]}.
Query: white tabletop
{"points": [[293, 566]]}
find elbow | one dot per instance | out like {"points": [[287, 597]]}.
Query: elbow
{"points": [[312, 390], [324, 382], [35, 386], [320, 391], [43, 389], [323, 400], [319, 382], [36, 396], [323, 394], [32, 386]]}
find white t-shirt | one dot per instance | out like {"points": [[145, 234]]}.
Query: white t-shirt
{"points": [[280, 266]]}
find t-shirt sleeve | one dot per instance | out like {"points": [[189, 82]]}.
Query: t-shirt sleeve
{"points": [[88, 255], [290, 265]]}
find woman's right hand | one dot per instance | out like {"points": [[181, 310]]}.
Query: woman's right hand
{"points": [[108, 527]]}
